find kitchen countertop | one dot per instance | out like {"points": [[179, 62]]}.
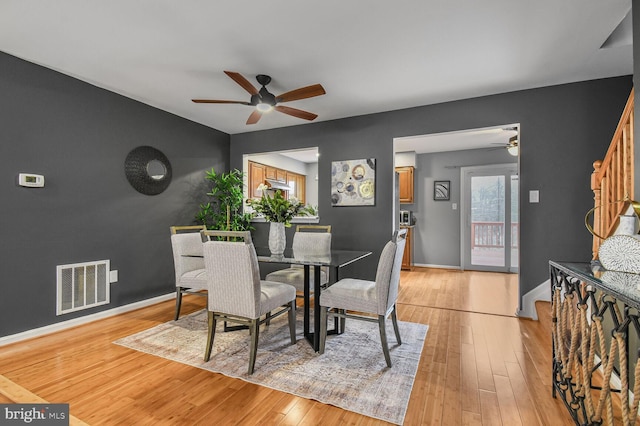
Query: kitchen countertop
{"points": [[297, 219]]}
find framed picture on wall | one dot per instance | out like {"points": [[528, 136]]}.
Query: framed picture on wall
{"points": [[353, 182], [441, 190]]}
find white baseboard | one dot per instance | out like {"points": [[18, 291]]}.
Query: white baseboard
{"points": [[427, 265], [41, 331], [528, 309]]}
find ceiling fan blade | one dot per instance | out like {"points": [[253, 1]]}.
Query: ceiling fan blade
{"points": [[302, 93], [246, 85], [254, 117], [305, 115], [216, 101]]}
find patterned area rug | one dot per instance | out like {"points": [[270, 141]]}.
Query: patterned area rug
{"points": [[351, 374]]}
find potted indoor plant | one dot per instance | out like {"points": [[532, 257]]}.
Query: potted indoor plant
{"points": [[224, 211], [279, 211]]}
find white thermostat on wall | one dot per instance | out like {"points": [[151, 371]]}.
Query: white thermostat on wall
{"points": [[31, 180]]}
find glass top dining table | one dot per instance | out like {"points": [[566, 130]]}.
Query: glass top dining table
{"points": [[335, 259]]}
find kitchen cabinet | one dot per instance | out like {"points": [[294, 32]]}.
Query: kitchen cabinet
{"points": [[275, 174], [407, 258], [405, 180], [257, 174], [270, 172], [297, 183], [302, 189]]}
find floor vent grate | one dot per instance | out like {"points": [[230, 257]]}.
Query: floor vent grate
{"points": [[82, 286]]}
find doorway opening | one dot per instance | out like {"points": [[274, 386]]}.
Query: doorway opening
{"points": [[440, 157]]}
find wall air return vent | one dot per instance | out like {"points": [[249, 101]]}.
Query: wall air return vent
{"points": [[82, 286]]}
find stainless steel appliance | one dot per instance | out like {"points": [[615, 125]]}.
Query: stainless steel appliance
{"points": [[406, 217]]}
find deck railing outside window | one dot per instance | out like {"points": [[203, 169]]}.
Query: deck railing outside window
{"points": [[492, 235]]}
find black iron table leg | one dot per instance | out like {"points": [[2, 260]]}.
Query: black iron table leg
{"points": [[306, 300]]}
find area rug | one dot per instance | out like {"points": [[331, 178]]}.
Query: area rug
{"points": [[351, 374]]}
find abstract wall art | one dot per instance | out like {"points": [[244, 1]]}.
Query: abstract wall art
{"points": [[353, 182]]}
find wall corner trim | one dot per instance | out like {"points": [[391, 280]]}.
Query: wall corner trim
{"points": [[541, 292], [48, 329]]}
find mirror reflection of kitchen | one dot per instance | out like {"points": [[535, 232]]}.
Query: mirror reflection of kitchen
{"points": [[293, 172]]}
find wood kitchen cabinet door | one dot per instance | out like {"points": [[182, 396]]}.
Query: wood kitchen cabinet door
{"points": [[297, 184], [270, 172], [301, 188], [405, 177], [407, 258], [256, 177]]}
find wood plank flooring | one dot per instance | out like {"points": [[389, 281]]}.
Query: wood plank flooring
{"points": [[475, 369]]}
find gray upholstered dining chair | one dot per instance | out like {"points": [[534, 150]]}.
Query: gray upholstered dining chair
{"points": [[236, 293], [377, 298], [188, 263], [314, 240]]}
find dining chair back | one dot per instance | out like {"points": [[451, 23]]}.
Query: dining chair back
{"points": [[313, 228], [215, 234], [236, 293], [186, 228], [188, 262], [308, 240], [377, 298]]}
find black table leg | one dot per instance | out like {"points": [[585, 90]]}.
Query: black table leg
{"points": [[316, 308], [314, 336], [306, 300]]}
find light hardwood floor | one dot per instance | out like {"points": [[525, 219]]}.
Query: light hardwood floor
{"points": [[475, 369]]}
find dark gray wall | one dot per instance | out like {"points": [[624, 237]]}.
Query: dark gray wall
{"points": [[78, 136], [563, 130], [437, 231]]}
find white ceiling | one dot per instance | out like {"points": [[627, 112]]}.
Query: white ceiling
{"points": [[370, 55], [494, 137], [305, 155]]}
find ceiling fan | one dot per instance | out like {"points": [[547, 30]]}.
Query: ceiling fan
{"points": [[264, 101], [511, 146]]}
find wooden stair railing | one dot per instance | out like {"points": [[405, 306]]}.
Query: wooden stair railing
{"points": [[612, 178]]}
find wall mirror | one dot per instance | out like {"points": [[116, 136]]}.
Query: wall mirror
{"points": [[156, 170], [148, 170]]}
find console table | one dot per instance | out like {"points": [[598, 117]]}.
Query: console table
{"points": [[595, 342]]}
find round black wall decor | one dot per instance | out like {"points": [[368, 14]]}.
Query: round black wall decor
{"points": [[148, 170]]}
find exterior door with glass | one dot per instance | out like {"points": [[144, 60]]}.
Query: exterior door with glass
{"points": [[490, 218]]}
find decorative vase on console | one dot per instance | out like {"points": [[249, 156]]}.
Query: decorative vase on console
{"points": [[621, 251], [279, 211]]}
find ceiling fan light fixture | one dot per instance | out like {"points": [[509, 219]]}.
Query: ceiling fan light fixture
{"points": [[512, 147], [263, 107]]}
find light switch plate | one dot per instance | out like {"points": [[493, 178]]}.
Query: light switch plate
{"points": [[113, 276], [534, 196]]}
